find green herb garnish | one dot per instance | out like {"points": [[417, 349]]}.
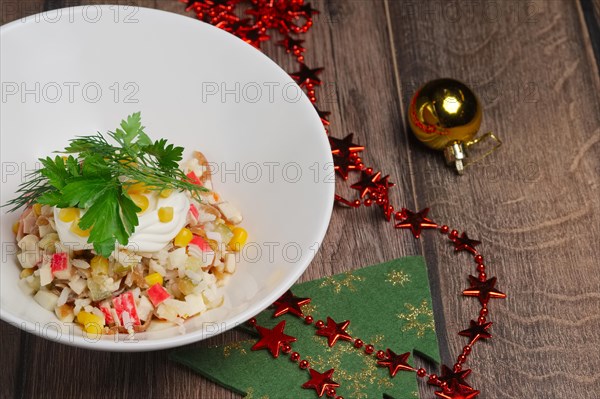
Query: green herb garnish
{"points": [[96, 177]]}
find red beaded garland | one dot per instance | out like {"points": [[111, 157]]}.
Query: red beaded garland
{"points": [[304, 364], [295, 16]]}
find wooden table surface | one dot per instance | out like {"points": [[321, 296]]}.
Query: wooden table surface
{"points": [[534, 204]]}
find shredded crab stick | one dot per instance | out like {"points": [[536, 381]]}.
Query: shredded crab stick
{"points": [[127, 290]]}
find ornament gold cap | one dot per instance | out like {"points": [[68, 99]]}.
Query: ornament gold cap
{"points": [[445, 115]]}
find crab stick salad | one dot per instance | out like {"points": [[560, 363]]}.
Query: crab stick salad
{"points": [[179, 245]]}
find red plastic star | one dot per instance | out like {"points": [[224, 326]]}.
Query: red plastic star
{"points": [[343, 165], [290, 44], [320, 382], [459, 393], [368, 183], [335, 331], [395, 362], [307, 76], [344, 146], [272, 339], [416, 221], [454, 379], [323, 116], [464, 243], [484, 290], [254, 36], [288, 302], [477, 331], [308, 10]]}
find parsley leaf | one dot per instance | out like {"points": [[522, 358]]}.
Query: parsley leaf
{"points": [[95, 178]]}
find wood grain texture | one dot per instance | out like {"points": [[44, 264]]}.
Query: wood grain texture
{"points": [[534, 204]]}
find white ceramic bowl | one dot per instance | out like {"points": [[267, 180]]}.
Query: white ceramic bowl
{"points": [[80, 70]]}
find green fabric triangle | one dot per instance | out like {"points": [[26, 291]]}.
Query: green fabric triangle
{"points": [[388, 305]]}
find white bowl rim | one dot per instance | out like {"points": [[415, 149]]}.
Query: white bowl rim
{"points": [[195, 336]]}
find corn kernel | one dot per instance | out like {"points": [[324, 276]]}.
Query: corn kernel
{"points": [[68, 215], [166, 193], [165, 214], [141, 201], [37, 208], [92, 324], [26, 273], [15, 228], [154, 278], [78, 230], [137, 188], [183, 238], [239, 238], [99, 265]]}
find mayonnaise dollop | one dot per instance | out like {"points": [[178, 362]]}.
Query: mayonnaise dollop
{"points": [[151, 235]]}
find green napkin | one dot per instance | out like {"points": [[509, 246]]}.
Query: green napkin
{"points": [[388, 305]]}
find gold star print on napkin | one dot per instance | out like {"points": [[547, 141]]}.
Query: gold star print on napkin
{"points": [[388, 305]]}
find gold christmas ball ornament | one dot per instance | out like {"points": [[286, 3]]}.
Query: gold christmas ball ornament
{"points": [[446, 115]]}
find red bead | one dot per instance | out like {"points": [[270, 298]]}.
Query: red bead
{"points": [[358, 343], [252, 322], [484, 312], [304, 364], [369, 349], [295, 357], [369, 171], [308, 319], [398, 216], [457, 367], [380, 355], [453, 234], [313, 99], [309, 86], [481, 319], [462, 358], [478, 259], [286, 348], [357, 203], [320, 324], [481, 267], [368, 202], [444, 385], [444, 229], [482, 276], [467, 349], [331, 392], [433, 379], [300, 58], [421, 372]]}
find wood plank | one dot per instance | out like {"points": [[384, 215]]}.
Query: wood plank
{"points": [[344, 249], [535, 203]]}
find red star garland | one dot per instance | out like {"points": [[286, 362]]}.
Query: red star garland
{"points": [[483, 290], [464, 243], [272, 339], [320, 382], [477, 331], [306, 76], [291, 17], [288, 302], [395, 362], [416, 221], [334, 331], [454, 379]]}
